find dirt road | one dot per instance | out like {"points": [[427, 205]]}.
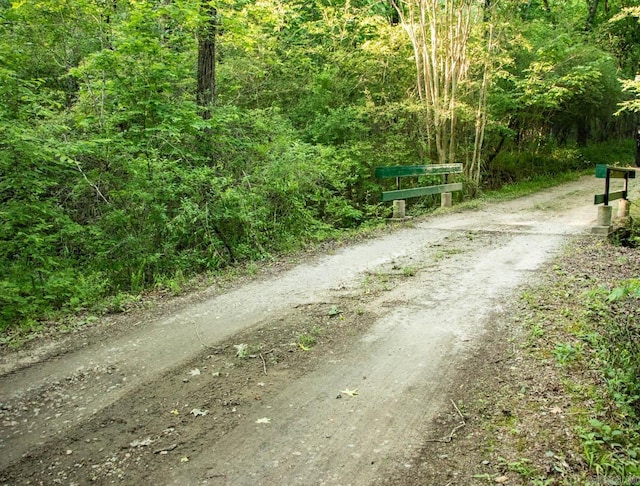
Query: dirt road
{"points": [[331, 372]]}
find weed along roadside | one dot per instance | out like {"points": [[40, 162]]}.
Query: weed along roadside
{"points": [[586, 324]]}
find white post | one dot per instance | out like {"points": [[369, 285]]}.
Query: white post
{"points": [[399, 209], [604, 215], [603, 223], [623, 208]]}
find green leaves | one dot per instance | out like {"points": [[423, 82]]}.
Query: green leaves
{"points": [[113, 183], [629, 288], [633, 103]]}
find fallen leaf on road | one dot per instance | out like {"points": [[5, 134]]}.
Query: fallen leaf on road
{"points": [[175, 412], [334, 311], [196, 412], [263, 420], [194, 372], [184, 459], [351, 393]]}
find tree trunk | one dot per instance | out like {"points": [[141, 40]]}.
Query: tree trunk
{"points": [[394, 18], [638, 146], [593, 9], [475, 169], [583, 132], [206, 94]]}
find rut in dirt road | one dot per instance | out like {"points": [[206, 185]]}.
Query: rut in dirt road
{"points": [[103, 412]]}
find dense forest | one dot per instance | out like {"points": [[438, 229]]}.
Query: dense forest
{"points": [[143, 141]]}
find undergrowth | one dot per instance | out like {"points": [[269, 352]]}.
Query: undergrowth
{"points": [[611, 335], [588, 322], [180, 224]]}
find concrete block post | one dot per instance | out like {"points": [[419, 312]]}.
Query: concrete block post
{"points": [[623, 208], [445, 200], [604, 215], [399, 209], [603, 223]]}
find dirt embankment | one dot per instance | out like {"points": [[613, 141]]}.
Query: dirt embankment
{"points": [[339, 370]]}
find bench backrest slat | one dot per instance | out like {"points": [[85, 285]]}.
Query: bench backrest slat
{"points": [[417, 170], [615, 172]]}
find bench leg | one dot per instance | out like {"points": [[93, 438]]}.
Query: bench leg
{"points": [[623, 208], [603, 224], [445, 200], [604, 215], [399, 209]]}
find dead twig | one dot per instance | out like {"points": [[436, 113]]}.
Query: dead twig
{"points": [[165, 449], [455, 429], [95, 187], [216, 475], [306, 304], [264, 364], [200, 338], [459, 412]]}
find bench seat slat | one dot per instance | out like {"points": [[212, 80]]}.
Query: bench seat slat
{"points": [[420, 191], [599, 198]]}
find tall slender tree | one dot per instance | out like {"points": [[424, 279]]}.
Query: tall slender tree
{"points": [[439, 31], [592, 6], [206, 93], [473, 170]]}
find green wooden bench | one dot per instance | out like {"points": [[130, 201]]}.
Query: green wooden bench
{"points": [[608, 172], [400, 171]]}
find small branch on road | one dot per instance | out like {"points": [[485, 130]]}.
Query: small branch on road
{"points": [[458, 410], [298, 306], [199, 337], [165, 449], [264, 364], [455, 429], [216, 475]]}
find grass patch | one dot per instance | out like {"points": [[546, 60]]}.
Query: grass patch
{"points": [[593, 337], [565, 410], [531, 186]]}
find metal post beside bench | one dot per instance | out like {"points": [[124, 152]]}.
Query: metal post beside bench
{"points": [[399, 195]]}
